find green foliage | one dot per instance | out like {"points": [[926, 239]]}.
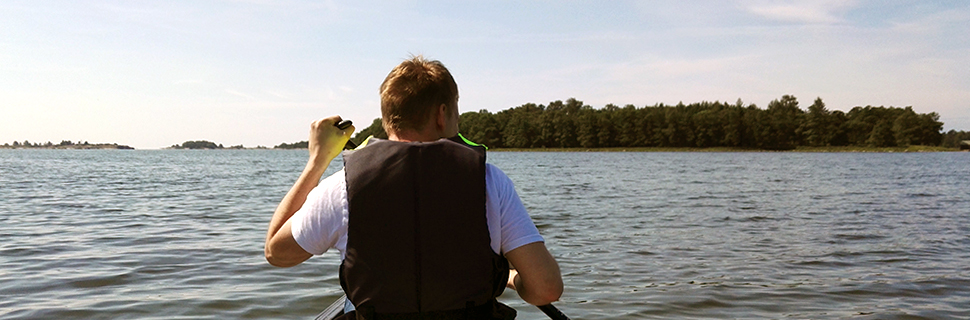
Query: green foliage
{"points": [[906, 128], [881, 135], [782, 126], [482, 127], [199, 144], [295, 145], [783, 118], [819, 127], [952, 138], [375, 129]]}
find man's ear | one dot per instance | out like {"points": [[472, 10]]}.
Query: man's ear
{"points": [[441, 117]]}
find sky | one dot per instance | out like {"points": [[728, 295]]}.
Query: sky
{"points": [[150, 74]]}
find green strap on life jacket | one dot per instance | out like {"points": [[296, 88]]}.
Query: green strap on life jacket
{"points": [[364, 143], [463, 139], [469, 142]]}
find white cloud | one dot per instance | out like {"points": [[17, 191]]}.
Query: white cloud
{"points": [[815, 12]]}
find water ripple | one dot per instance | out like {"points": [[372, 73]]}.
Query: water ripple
{"points": [[177, 234]]}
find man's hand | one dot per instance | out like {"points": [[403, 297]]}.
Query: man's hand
{"points": [[326, 141]]}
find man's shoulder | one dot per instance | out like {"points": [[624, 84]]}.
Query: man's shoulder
{"points": [[335, 180], [496, 178], [491, 170]]}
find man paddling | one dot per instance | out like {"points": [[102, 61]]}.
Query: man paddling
{"points": [[424, 226]]}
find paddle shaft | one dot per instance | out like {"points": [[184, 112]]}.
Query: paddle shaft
{"points": [[553, 312]]}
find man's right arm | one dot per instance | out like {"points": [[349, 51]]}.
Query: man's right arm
{"points": [[325, 143], [536, 277]]}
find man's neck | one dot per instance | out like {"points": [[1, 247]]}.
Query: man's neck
{"points": [[413, 136]]}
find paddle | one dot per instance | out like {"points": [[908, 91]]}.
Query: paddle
{"points": [[344, 125], [553, 312], [335, 309]]}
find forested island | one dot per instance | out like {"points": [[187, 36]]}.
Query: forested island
{"points": [[65, 144], [783, 125], [296, 145], [203, 144]]}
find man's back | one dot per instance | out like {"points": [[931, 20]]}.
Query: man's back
{"points": [[417, 234]]}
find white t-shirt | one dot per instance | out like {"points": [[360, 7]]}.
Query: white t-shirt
{"points": [[321, 223]]}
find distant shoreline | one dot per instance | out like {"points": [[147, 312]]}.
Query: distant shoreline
{"points": [[848, 149], [96, 146], [615, 149]]}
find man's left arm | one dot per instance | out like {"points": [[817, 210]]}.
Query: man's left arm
{"points": [[325, 143]]}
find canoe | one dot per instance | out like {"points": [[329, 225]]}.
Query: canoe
{"points": [[334, 310], [337, 308]]}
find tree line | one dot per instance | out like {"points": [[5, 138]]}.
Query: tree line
{"points": [[956, 139], [202, 144], [64, 144], [783, 125], [197, 144], [295, 145]]}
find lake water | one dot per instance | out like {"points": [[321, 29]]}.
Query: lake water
{"points": [[178, 234]]}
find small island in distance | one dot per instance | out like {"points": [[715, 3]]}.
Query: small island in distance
{"points": [[197, 144], [65, 144], [209, 145], [202, 144]]}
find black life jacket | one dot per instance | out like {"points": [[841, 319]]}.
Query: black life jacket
{"points": [[418, 245]]}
